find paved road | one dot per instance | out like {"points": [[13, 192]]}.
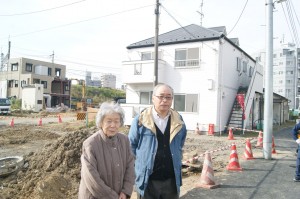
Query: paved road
{"points": [[260, 178]]}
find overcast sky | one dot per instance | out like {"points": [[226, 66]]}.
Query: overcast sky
{"points": [[92, 35]]}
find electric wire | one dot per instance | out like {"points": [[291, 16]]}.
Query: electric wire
{"points": [[184, 27], [77, 22], [238, 18], [34, 12], [292, 21]]}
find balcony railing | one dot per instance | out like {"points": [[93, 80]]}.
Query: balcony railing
{"points": [[187, 63]]}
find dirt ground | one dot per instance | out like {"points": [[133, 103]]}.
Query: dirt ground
{"points": [[52, 158]]}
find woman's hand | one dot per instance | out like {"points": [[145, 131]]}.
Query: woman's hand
{"points": [[122, 196]]}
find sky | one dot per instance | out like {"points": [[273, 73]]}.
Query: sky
{"points": [[92, 35]]}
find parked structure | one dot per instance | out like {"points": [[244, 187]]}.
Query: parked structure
{"points": [[207, 71], [21, 72]]}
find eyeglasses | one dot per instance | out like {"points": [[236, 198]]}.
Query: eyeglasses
{"points": [[163, 97]]}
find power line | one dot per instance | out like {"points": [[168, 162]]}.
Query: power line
{"points": [[34, 12], [238, 18], [77, 22], [184, 27]]}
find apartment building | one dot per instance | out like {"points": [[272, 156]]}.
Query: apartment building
{"points": [[286, 72], [21, 72]]}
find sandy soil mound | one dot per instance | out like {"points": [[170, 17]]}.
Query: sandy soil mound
{"points": [[54, 172]]}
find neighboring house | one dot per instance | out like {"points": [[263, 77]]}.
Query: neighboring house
{"points": [[207, 71], [22, 72]]}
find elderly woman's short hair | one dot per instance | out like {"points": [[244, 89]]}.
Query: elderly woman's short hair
{"points": [[108, 108]]}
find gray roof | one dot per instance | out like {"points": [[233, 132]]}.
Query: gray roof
{"points": [[190, 33]]}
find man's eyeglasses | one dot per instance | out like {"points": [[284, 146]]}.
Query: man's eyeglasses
{"points": [[163, 97]]}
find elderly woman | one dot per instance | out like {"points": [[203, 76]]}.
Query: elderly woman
{"points": [[107, 163]]}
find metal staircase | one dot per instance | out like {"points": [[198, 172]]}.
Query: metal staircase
{"points": [[237, 112]]}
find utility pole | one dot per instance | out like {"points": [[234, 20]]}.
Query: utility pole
{"points": [[268, 101], [155, 78]]}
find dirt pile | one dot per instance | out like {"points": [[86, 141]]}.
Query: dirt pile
{"points": [[53, 172]]}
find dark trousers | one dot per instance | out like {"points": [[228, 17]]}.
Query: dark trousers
{"points": [[297, 176], [157, 189]]}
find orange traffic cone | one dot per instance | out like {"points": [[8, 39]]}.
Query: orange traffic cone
{"points": [[207, 180], [260, 140], [230, 135], [248, 155], [40, 122], [273, 146], [12, 122], [234, 160], [59, 119]]}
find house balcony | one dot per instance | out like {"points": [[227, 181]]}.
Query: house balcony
{"points": [[140, 71]]}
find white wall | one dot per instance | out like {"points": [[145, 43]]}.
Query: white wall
{"points": [[214, 104], [3, 89], [31, 96]]}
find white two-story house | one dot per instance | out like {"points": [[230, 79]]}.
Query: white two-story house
{"points": [[206, 70]]}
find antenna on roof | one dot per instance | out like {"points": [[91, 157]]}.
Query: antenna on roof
{"points": [[200, 12]]}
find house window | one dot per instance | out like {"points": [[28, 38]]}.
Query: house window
{"points": [[16, 83], [57, 72], [146, 97], [49, 71], [149, 55], [146, 56], [23, 82], [187, 57], [244, 67], [137, 69], [44, 83], [36, 81], [28, 67], [186, 103], [11, 83], [67, 88], [251, 70], [39, 101], [14, 67], [238, 64]]}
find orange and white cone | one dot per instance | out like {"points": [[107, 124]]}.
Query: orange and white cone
{"points": [[59, 119], [248, 155], [234, 160], [273, 146], [12, 122], [40, 122], [260, 140], [230, 135], [207, 179]]}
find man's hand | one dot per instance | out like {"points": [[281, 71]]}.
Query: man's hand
{"points": [[298, 141]]}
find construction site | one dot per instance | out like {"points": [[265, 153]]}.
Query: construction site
{"points": [[49, 147]]}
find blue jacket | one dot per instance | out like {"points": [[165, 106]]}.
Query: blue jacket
{"points": [[296, 131], [142, 137]]}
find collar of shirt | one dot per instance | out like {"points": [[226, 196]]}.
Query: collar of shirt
{"points": [[160, 122]]}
